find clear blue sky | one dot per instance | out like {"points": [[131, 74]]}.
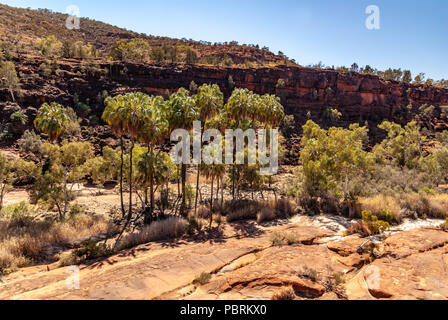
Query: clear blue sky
{"points": [[413, 33]]}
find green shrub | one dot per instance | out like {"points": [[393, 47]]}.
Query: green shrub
{"points": [[21, 209], [91, 250], [193, 226], [376, 225], [190, 193], [31, 143], [19, 118], [76, 210], [428, 191]]}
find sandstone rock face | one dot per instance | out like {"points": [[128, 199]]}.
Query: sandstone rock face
{"points": [[275, 268], [243, 264], [358, 96], [414, 265]]}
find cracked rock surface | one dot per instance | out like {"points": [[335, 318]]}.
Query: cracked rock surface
{"points": [[244, 264]]}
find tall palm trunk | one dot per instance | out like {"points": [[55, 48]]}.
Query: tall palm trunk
{"points": [[211, 203], [184, 179], [234, 164], [222, 191], [197, 183], [217, 188], [211, 195], [178, 182], [123, 210], [150, 214], [197, 190], [130, 181]]}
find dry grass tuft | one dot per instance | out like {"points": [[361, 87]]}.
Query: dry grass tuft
{"points": [[247, 211], [203, 279], [24, 239], [425, 206], [203, 212], [171, 228], [261, 210], [379, 204], [444, 226], [280, 239], [266, 214], [284, 294]]}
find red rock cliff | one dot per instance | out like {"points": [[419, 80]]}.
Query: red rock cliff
{"points": [[357, 96]]}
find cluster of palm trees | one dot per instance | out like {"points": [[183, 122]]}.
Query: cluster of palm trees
{"points": [[147, 121]]}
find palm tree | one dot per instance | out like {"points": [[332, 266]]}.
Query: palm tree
{"points": [[153, 131], [182, 112], [209, 101], [51, 120], [112, 116], [242, 105], [127, 114], [271, 111], [246, 109]]}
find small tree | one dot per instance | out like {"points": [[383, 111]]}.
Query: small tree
{"points": [[331, 158], [104, 168], [134, 50], [407, 76], [49, 46], [404, 146], [9, 79], [157, 54], [191, 56], [67, 163]]}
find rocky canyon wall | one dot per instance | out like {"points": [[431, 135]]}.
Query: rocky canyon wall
{"points": [[305, 91]]}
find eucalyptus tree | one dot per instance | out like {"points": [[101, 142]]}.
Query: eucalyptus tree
{"points": [[51, 120], [182, 112], [9, 79]]}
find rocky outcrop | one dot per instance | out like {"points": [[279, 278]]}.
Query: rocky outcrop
{"points": [[413, 266], [306, 91]]}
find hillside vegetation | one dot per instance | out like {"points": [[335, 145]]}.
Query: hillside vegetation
{"points": [[24, 27]]}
